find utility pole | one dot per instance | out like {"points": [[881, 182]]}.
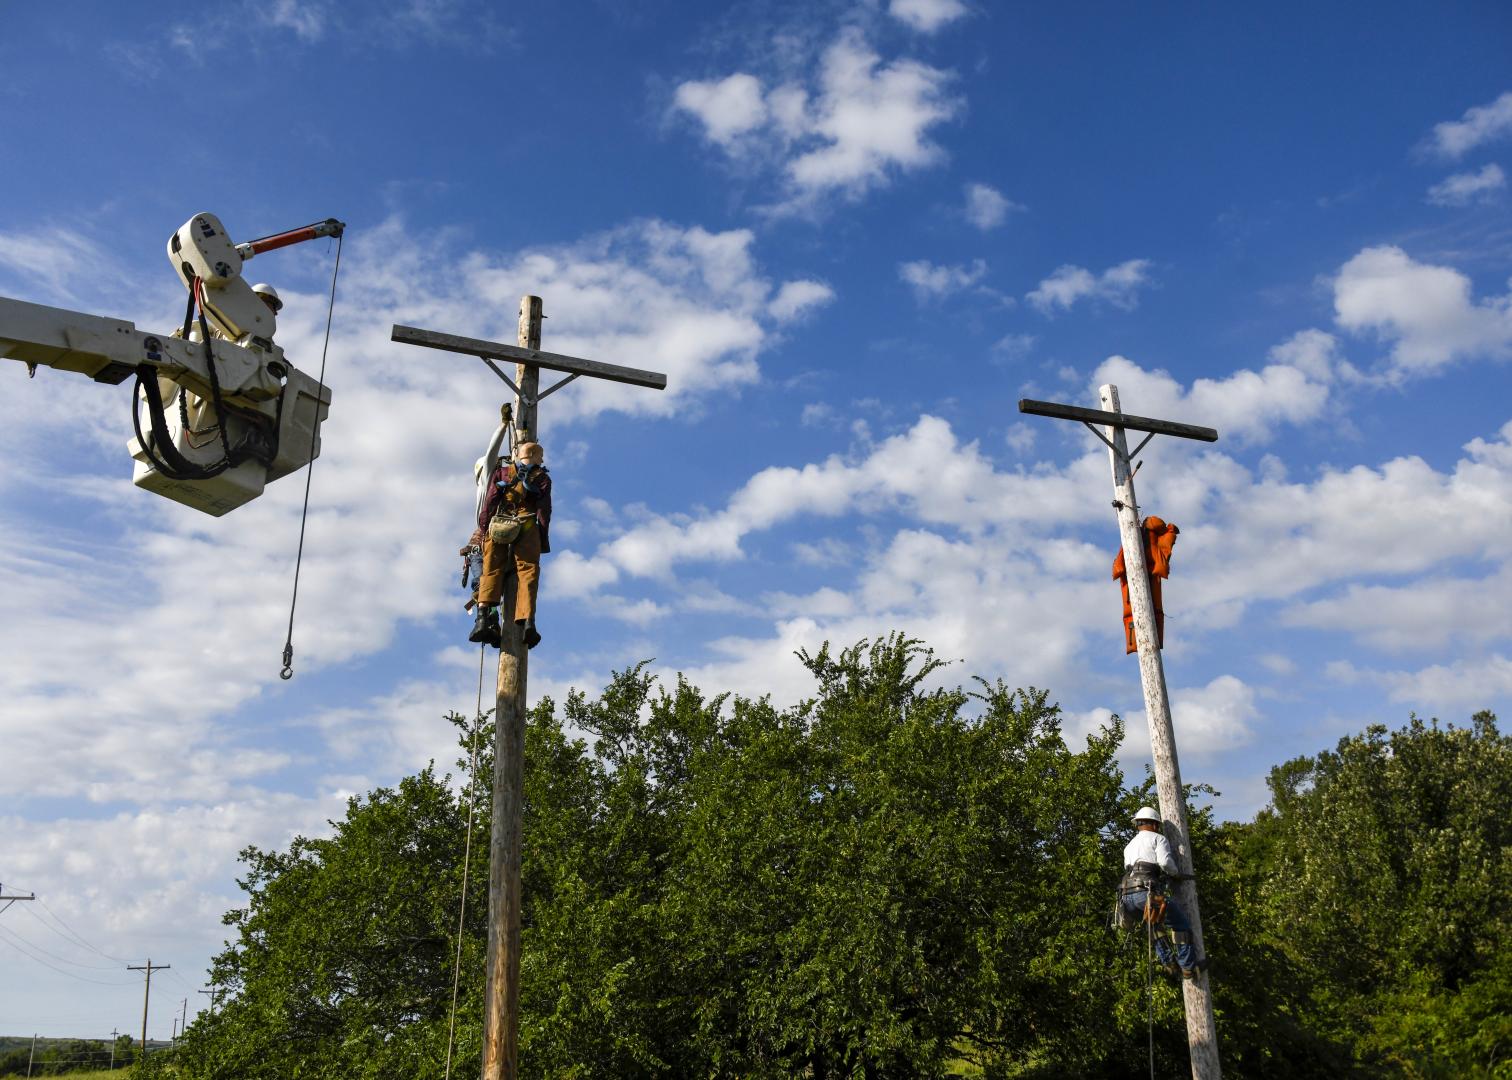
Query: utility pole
{"points": [[501, 1010], [149, 968], [1202, 1032], [12, 898], [33, 1055], [184, 1018], [114, 1035], [212, 991]]}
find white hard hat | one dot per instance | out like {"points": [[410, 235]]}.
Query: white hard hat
{"points": [[1147, 813], [268, 292]]}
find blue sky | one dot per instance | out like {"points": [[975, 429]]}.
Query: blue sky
{"points": [[854, 235]]}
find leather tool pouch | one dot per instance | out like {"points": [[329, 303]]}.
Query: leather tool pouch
{"points": [[504, 529]]}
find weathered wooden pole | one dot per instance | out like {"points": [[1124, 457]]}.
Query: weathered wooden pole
{"points": [[149, 968], [1202, 1033], [501, 1018]]}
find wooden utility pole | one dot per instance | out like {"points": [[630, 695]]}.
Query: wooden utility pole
{"points": [[149, 968], [501, 1009], [33, 1055], [1202, 1032], [114, 1035], [212, 991]]}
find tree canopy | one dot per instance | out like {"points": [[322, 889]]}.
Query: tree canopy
{"points": [[887, 879]]}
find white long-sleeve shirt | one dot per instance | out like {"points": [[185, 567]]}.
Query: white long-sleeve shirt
{"points": [[1150, 847]]}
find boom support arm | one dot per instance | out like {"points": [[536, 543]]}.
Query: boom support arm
{"points": [[110, 351]]}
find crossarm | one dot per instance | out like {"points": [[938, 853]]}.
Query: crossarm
{"points": [[494, 350]]}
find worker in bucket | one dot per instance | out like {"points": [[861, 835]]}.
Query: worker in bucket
{"points": [[1144, 894], [515, 519]]}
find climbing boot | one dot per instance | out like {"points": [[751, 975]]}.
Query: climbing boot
{"points": [[1191, 972], [485, 625], [532, 636]]}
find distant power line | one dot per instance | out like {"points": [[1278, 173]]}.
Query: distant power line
{"points": [[60, 971], [74, 934], [15, 937]]}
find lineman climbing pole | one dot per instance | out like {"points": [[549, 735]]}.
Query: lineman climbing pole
{"points": [[1202, 1033], [501, 1009]]}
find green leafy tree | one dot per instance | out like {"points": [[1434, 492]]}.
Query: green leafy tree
{"points": [[889, 879], [1388, 884], [342, 964]]}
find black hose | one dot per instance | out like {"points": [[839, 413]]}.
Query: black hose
{"points": [[173, 465]]}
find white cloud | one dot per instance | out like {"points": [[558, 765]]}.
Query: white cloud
{"points": [[1461, 686], [1418, 616], [391, 24], [1426, 311], [817, 414], [1020, 437], [931, 282], [1013, 346], [58, 261], [1277, 664], [305, 19], [871, 118], [864, 120], [728, 108], [1117, 285], [986, 207], [1481, 124], [926, 16], [797, 298], [1247, 405], [1462, 189], [1207, 719]]}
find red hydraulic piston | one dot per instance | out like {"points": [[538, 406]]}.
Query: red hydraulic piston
{"points": [[328, 227]]}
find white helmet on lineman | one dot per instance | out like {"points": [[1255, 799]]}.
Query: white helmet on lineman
{"points": [[269, 295], [1147, 814]]}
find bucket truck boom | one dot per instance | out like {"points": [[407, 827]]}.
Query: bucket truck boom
{"points": [[226, 412]]}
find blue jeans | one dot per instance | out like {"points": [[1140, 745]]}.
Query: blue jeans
{"points": [[1175, 920]]}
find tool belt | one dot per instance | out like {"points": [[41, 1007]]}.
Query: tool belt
{"points": [[1142, 877], [506, 528]]}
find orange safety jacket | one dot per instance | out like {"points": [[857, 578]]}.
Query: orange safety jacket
{"points": [[1159, 538]]}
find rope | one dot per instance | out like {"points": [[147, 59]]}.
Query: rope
{"points": [[288, 651], [472, 802], [1150, 981]]}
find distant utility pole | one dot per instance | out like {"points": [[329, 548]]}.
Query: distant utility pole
{"points": [[114, 1035], [1202, 1032], [33, 1055], [501, 1019], [184, 1018], [212, 991], [12, 898], [149, 968]]}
